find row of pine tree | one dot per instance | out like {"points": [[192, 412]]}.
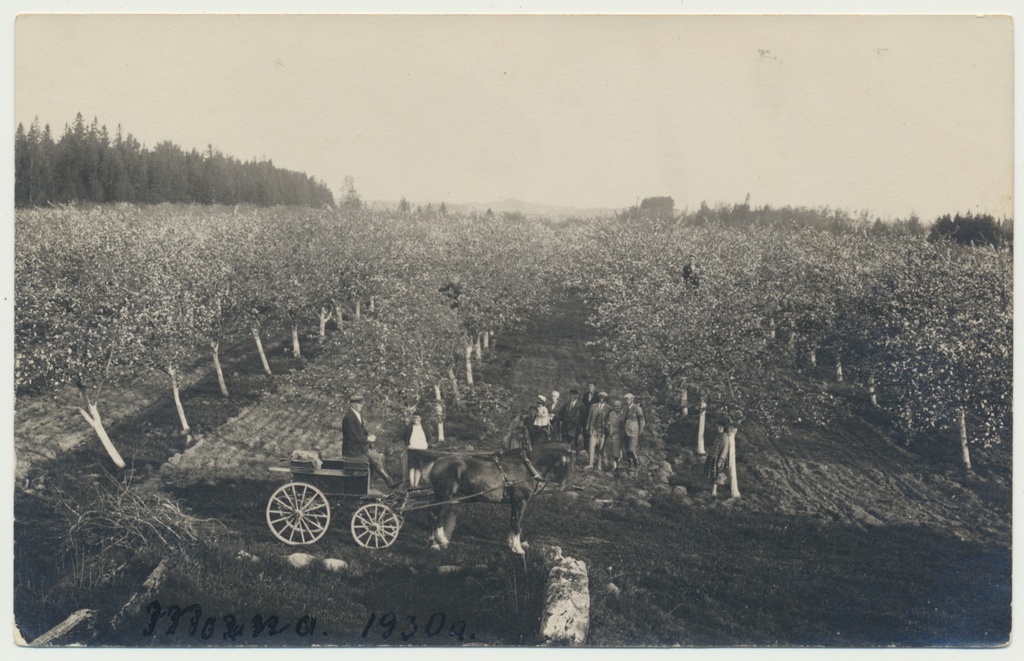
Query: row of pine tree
{"points": [[86, 165]]}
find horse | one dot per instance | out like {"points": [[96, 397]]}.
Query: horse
{"points": [[509, 476]]}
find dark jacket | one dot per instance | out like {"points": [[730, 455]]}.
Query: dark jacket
{"points": [[571, 417], [354, 441]]}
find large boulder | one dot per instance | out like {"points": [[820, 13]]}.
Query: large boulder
{"points": [[566, 619]]}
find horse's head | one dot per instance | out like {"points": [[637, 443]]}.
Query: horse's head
{"points": [[554, 462]]}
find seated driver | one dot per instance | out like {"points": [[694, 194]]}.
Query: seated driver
{"points": [[356, 442]]}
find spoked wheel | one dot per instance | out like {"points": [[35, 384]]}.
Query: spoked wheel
{"points": [[375, 526], [298, 513]]}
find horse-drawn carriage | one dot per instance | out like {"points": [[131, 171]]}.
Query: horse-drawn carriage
{"points": [[300, 511]]}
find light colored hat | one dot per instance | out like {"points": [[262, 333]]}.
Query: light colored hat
{"points": [[542, 398], [628, 395], [602, 394], [355, 399], [555, 393]]}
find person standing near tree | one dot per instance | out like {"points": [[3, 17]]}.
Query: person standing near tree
{"points": [[590, 396], [570, 419], [555, 408], [541, 430], [716, 466], [597, 420], [357, 442], [691, 272], [416, 437], [633, 427], [613, 435]]}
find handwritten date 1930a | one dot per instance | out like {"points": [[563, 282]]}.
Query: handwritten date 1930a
{"points": [[190, 621]]}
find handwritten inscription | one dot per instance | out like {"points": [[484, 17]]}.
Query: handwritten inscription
{"points": [[191, 621]]}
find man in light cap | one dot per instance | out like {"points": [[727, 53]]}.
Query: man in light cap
{"points": [[633, 426], [597, 421], [356, 441]]}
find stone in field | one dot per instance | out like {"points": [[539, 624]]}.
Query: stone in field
{"points": [[566, 619], [300, 560], [335, 564]]}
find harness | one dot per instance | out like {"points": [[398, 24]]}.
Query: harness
{"points": [[520, 456]]}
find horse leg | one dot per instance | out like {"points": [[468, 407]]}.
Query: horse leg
{"points": [[514, 542]]}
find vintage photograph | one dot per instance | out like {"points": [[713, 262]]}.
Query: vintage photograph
{"points": [[513, 330]]}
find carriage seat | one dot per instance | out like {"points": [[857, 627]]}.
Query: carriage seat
{"points": [[350, 465]]}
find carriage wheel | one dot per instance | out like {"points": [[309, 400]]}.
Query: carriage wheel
{"points": [[298, 513], [375, 526]]}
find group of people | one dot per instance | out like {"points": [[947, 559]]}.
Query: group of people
{"points": [[609, 432]]}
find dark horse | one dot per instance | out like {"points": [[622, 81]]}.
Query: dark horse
{"points": [[510, 476]]}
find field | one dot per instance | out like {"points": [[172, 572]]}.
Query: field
{"points": [[846, 533]]}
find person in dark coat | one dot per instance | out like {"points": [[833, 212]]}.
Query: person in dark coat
{"points": [[691, 272], [570, 419], [357, 442]]}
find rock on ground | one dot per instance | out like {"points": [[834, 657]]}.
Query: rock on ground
{"points": [[566, 619], [335, 564], [300, 560]]}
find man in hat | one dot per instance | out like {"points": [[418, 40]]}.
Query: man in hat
{"points": [[633, 426], [597, 421], [570, 419], [356, 441]]}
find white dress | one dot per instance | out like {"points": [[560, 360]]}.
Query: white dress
{"points": [[418, 439]]}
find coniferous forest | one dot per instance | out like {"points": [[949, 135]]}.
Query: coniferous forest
{"points": [[87, 164]]}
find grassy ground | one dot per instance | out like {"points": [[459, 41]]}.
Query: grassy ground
{"points": [[842, 536]]}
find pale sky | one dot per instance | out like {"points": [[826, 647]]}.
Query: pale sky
{"points": [[884, 113]]}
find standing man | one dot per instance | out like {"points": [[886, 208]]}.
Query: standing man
{"points": [[597, 422], [633, 426], [356, 442], [590, 396], [570, 419]]}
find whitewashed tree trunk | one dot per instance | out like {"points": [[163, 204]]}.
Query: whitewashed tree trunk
{"points": [[439, 409], [684, 401], [325, 316], [771, 328], [373, 303], [455, 385], [792, 340], [93, 418], [185, 429], [733, 484], [701, 419], [872, 391], [469, 364], [490, 339], [477, 347], [965, 451], [437, 391], [839, 370], [338, 313], [296, 349], [359, 310], [263, 354], [215, 349], [812, 356], [487, 339]]}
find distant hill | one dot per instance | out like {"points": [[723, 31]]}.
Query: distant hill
{"points": [[503, 206]]}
